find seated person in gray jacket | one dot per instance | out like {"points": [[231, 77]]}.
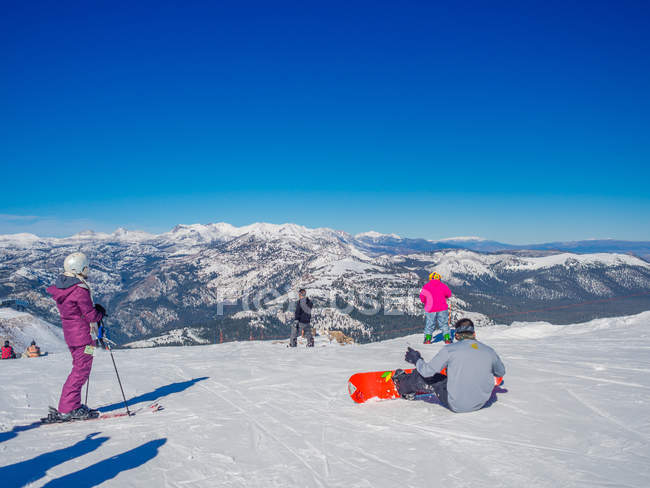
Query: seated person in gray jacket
{"points": [[471, 369]]}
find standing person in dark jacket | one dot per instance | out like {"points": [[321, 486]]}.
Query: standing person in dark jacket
{"points": [[79, 318], [303, 320]]}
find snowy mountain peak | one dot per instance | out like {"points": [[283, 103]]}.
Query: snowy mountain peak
{"points": [[262, 229], [89, 234], [19, 240], [123, 234], [570, 259], [195, 234], [200, 233], [462, 239], [376, 235], [290, 232]]}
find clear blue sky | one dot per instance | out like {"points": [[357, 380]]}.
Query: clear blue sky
{"points": [[516, 121]]}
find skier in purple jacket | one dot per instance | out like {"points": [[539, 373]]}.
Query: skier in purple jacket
{"points": [[79, 318]]}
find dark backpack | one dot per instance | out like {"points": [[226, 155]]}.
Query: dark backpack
{"points": [[303, 314]]}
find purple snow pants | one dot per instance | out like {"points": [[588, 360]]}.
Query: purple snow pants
{"points": [[81, 366]]}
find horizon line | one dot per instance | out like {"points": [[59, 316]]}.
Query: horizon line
{"points": [[369, 233]]}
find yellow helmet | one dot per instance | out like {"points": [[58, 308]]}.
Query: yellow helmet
{"points": [[434, 276]]}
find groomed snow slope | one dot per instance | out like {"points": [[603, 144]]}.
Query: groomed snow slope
{"points": [[247, 414]]}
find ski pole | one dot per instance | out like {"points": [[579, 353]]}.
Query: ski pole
{"points": [[107, 346], [99, 335]]}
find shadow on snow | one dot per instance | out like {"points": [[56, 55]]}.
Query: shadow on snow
{"points": [[5, 436], [25, 472], [156, 394], [108, 469], [494, 398], [432, 398]]}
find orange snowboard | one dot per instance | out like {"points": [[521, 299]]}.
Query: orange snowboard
{"points": [[379, 384], [375, 384]]}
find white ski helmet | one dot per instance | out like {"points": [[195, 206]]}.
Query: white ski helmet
{"points": [[76, 263]]}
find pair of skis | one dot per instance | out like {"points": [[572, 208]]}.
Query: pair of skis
{"points": [[54, 416]]}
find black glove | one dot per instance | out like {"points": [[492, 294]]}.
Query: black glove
{"points": [[412, 356], [101, 310]]}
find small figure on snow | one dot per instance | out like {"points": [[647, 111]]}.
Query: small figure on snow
{"points": [[33, 351], [471, 368], [434, 295], [8, 351], [303, 320], [79, 318]]}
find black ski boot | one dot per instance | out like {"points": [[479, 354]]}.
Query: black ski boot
{"points": [[81, 413], [398, 375]]}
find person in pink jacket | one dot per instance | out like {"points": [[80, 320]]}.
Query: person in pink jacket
{"points": [[79, 318], [434, 295]]}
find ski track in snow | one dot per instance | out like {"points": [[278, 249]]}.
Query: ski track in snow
{"points": [[605, 415], [572, 412]]}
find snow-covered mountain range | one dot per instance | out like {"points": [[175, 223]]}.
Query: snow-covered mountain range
{"points": [[197, 234], [241, 281]]}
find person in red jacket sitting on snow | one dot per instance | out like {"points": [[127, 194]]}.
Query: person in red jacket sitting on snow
{"points": [[8, 351]]}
